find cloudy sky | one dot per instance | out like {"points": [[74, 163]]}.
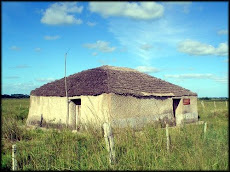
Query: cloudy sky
{"points": [[185, 43]]}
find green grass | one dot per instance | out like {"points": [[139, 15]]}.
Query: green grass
{"points": [[146, 150]]}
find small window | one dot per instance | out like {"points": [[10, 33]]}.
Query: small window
{"points": [[77, 101], [186, 101]]}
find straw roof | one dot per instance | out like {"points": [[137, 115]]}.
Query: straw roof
{"points": [[110, 79]]}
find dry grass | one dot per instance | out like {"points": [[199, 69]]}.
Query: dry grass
{"points": [[145, 150]]}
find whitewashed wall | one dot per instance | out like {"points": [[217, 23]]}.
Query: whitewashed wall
{"points": [[187, 113], [94, 110], [135, 112], [53, 109], [117, 109]]}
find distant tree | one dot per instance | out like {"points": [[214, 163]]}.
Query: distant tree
{"points": [[213, 98], [204, 98], [6, 96], [17, 96]]}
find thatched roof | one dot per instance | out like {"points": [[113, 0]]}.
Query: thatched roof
{"points": [[110, 79]]}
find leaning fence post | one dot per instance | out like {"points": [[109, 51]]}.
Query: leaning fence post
{"points": [[202, 103], [205, 128], [109, 140], [214, 104], [167, 136], [41, 120], [14, 160]]}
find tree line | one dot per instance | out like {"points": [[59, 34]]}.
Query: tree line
{"points": [[17, 96], [213, 98]]}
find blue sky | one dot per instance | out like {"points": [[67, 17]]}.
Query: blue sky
{"points": [[185, 43]]}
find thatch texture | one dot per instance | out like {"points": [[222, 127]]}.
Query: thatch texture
{"points": [[109, 79]]}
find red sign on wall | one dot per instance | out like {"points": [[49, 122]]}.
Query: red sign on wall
{"points": [[186, 101]]}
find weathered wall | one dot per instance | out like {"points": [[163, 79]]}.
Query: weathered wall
{"points": [[124, 110], [135, 112], [93, 110], [53, 109], [72, 115], [187, 113]]}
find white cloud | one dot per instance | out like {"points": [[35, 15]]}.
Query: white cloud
{"points": [[226, 60], [200, 8], [184, 4], [146, 47], [141, 10], [162, 34], [94, 54], [107, 61], [22, 88], [222, 32], [51, 37], [102, 62], [181, 68], [37, 49], [178, 2], [91, 23], [62, 13], [45, 79], [147, 69], [186, 9], [102, 46], [221, 79], [199, 76], [15, 48], [123, 49], [222, 49], [197, 48], [190, 76]]}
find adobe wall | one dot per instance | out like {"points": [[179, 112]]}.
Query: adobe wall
{"points": [[53, 110], [135, 112], [93, 110], [124, 110], [187, 113]]}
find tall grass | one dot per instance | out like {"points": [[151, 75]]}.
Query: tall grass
{"points": [[145, 150]]}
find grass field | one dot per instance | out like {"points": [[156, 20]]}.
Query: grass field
{"points": [[53, 150]]}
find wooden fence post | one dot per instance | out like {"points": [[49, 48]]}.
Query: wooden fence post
{"points": [[215, 104], [167, 136], [41, 120], [202, 103], [205, 128], [109, 140], [226, 103], [14, 160]]}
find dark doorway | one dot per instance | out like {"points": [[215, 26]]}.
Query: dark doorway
{"points": [[77, 103], [175, 105]]}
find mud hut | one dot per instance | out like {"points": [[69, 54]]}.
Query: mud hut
{"points": [[118, 95]]}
